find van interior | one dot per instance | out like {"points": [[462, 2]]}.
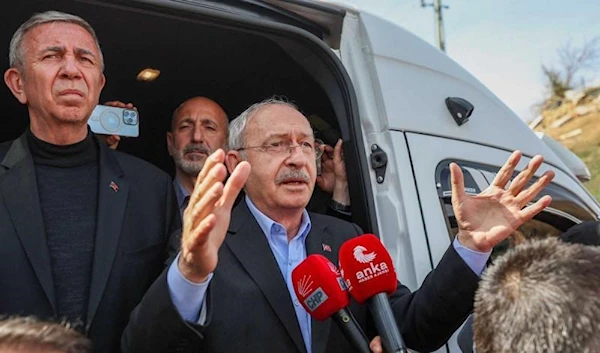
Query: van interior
{"points": [[232, 62]]}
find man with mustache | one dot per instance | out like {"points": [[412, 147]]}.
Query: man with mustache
{"points": [[237, 264], [84, 229]]}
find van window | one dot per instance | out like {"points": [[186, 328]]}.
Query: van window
{"points": [[565, 211]]}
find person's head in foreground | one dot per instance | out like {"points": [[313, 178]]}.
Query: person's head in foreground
{"points": [[541, 297], [29, 335]]}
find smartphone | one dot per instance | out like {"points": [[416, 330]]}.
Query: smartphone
{"points": [[107, 120]]}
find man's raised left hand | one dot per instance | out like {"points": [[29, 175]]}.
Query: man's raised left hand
{"points": [[486, 219]]}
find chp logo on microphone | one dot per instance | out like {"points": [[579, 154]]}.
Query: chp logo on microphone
{"points": [[363, 256], [305, 285], [313, 299]]}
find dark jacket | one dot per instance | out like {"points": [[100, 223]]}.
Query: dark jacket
{"points": [[133, 227]]}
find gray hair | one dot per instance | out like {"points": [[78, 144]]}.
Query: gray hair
{"points": [[30, 334], [237, 126], [541, 296], [16, 51]]}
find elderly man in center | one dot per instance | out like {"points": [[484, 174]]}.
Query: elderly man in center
{"points": [[238, 295]]}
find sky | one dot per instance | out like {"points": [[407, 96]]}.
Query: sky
{"points": [[503, 42]]}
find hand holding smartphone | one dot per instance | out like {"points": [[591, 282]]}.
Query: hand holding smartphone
{"points": [[107, 120]]}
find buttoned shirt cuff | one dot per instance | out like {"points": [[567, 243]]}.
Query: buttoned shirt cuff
{"points": [[474, 259], [188, 297]]}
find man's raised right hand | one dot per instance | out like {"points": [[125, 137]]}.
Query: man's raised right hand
{"points": [[206, 218]]}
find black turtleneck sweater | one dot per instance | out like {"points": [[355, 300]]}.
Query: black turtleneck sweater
{"points": [[67, 179]]}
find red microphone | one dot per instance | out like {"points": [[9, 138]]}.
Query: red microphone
{"points": [[368, 271], [322, 292]]}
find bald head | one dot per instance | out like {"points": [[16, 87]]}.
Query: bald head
{"points": [[200, 105], [199, 127]]}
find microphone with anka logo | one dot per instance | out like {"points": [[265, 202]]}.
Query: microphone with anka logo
{"points": [[368, 270], [322, 292]]}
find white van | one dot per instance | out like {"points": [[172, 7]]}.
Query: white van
{"points": [[381, 88]]}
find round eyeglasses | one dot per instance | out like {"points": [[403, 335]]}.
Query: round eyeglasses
{"points": [[281, 147]]}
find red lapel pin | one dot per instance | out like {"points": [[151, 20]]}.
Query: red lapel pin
{"points": [[114, 186]]}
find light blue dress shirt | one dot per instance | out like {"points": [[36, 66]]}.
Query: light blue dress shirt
{"points": [[288, 255], [474, 259], [188, 297]]}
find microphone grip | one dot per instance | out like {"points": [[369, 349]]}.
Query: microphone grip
{"points": [[352, 330], [385, 323]]}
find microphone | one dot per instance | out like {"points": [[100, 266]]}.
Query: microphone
{"points": [[368, 271], [322, 292]]}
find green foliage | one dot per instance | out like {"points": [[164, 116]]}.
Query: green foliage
{"points": [[556, 85]]}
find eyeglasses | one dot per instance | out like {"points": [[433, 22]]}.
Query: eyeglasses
{"points": [[285, 147]]}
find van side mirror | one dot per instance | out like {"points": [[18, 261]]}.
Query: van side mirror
{"points": [[460, 109]]}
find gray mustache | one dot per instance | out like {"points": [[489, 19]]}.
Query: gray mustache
{"points": [[196, 147], [292, 175]]}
